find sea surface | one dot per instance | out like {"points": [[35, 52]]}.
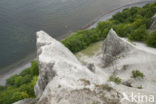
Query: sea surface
{"points": [[20, 19]]}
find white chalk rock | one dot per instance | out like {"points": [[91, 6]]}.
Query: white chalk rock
{"points": [[62, 78], [113, 46]]}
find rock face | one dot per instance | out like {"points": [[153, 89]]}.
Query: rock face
{"points": [[113, 46], [26, 101], [51, 55], [64, 80]]}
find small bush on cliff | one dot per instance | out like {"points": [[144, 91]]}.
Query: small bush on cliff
{"points": [[117, 80], [137, 73]]}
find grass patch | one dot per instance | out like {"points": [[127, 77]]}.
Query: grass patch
{"points": [[91, 49]]}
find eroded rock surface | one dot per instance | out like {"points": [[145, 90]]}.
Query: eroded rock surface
{"points": [[64, 80], [26, 101]]}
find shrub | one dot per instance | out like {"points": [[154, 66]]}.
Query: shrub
{"points": [[139, 20], [81, 39], [117, 80], [20, 86], [137, 73], [126, 16], [151, 39]]}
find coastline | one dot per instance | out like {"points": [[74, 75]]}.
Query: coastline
{"points": [[25, 63]]}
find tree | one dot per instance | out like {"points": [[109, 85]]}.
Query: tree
{"points": [[34, 68], [103, 28], [139, 34]]}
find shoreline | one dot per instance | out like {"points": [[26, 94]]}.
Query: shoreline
{"points": [[16, 68]]}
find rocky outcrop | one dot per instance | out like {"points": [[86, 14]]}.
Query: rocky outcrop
{"points": [[113, 46], [64, 80], [26, 101]]}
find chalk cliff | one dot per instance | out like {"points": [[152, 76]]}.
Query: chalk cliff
{"points": [[64, 80]]}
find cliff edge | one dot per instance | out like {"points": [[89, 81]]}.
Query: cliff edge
{"points": [[64, 80]]}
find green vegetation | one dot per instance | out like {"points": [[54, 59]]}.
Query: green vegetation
{"points": [[137, 73], [151, 39], [20, 86], [117, 80], [139, 34]]}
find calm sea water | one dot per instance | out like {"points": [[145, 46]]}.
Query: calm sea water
{"points": [[20, 19]]}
